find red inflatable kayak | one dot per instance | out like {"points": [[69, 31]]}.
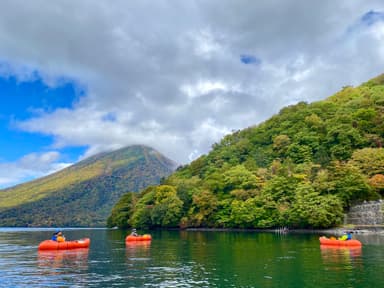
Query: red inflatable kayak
{"points": [[145, 237], [335, 242], [54, 245]]}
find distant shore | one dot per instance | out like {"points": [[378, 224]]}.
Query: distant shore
{"points": [[372, 229], [354, 229]]}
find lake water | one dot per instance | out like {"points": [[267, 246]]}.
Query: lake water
{"points": [[189, 259]]}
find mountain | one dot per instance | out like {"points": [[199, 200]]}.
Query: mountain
{"points": [[302, 168], [84, 193]]}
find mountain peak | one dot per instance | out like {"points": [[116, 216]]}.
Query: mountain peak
{"points": [[84, 193]]}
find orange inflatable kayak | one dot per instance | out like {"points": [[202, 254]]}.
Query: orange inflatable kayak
{"points": [[335, 242], [54, 245], [145, 237]]}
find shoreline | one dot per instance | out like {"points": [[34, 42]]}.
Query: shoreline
{"points": [[354, 229], [331, 231]]}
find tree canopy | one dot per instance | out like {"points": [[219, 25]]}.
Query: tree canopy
{"points": [[304, 167]]}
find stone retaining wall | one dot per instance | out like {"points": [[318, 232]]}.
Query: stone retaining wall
{"points": [[368, 213]]}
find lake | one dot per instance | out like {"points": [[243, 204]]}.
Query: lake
{"points": [[189, 259]]}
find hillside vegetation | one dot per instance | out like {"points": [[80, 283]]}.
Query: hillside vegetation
{"points": [[83, 194], [304, 167]]}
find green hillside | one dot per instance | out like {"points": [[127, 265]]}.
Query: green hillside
{"points": [[304, 167], [83, 194]]}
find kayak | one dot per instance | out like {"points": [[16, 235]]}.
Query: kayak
{"points": [[335, 242], [145, 237], [54, 245]]}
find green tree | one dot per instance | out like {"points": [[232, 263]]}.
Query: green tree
{"points": [[203, 209], [280, 144], [370, 161], [300, 153], [185, 189], [141, 217], [167, 207], [121, 211], [281, 188], [364, 118], [266, 212], [347, 182], [310, 209], [243, 213], [315, 122], [342, 140], [215, 182], [239, 177]]}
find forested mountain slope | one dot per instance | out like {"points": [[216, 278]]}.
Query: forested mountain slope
{"points": [[83, 194], [303, 167]]}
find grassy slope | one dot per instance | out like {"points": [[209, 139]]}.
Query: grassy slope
{"points": [[83, 194]]}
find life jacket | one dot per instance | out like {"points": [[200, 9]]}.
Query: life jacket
{"points": [[60, 239], [343, 238]]}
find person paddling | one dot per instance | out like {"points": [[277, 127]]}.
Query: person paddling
{"points": [[58, 236], [346, 236], [134, 233]]}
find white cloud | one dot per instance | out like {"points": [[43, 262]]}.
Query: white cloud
{"points": [[170, 75], [205, 44], [29, 167], [203, 87]]}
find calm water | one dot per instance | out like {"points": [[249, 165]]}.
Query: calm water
{"points": [[189, 259]]}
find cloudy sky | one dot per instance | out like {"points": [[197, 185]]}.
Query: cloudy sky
{"points": [[80, 77]]}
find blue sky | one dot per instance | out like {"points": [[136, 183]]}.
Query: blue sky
{"points": [[82, 77], [23, 100]]}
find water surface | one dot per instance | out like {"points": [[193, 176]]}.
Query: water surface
{"points": [[188, 259]]}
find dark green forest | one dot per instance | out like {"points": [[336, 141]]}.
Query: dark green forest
{"points": [[302, 168]]}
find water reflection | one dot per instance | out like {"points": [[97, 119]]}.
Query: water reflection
{"points": [[61, 260], [138, 245], [138, 249], [341, 257]]}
